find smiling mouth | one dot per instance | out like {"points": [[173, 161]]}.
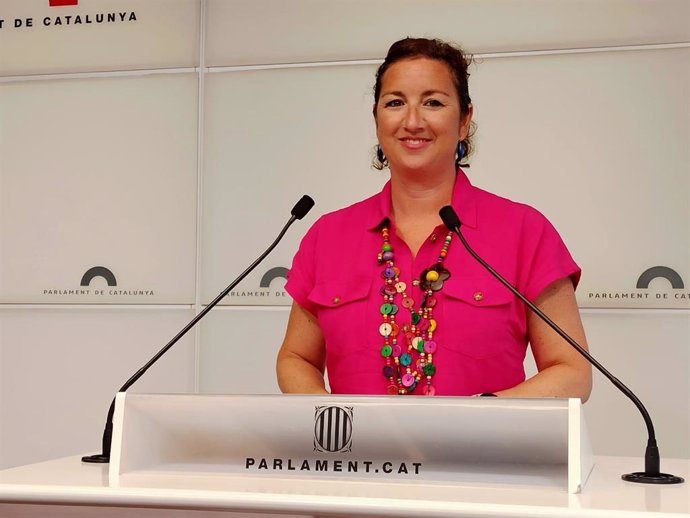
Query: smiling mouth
{"points": [[414, 142]]}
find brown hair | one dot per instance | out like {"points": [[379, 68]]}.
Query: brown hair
{"points": [[457, 61]]}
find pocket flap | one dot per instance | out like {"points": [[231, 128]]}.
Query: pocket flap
{"points": [[478, 291], [338, 293]]}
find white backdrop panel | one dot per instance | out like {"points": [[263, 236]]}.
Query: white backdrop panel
{"points": [[650, 354], [275, 31], [98, 172], [239, 348], [271, 136], [60, 369], [599, 143], [138, 34]]}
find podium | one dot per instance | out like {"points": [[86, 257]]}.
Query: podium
{"points": [[196, 456], [448, 440]]}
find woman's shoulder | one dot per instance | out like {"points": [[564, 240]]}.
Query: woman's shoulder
{"points": [[506, 210], [360, 213]]}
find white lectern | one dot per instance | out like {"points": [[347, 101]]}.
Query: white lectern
{"points": [[446, 440]]}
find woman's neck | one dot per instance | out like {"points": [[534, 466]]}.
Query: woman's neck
{"points": [[416, 202], [420, 197]]}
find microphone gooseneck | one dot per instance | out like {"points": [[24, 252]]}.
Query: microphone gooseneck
{"points": [[301, 208], [651, 474]]}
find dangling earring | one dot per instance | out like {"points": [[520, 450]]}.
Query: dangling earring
{"points": [[462, 150], [379, 154]]}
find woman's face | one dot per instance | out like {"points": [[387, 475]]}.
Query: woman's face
{"points": [[418, 116]]}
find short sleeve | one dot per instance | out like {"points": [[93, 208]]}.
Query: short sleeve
{"points": [[300, 281], [545, 255]]}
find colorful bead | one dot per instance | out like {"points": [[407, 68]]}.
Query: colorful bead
{"points": [[429, 390], [385, 329], [430, 347], [408, 380], [395, 329]]}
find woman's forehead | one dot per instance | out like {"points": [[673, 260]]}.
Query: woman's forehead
{"points": [[419, 73]]}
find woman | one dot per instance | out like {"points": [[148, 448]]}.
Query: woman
{"points": [[390, 303]]}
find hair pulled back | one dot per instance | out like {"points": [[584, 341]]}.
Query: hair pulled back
{"points": [[458, 63]]}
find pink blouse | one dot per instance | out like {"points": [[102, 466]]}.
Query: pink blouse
{"points": [[482, 327]]}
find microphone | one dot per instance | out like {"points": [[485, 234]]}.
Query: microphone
{"points": [[301, 208], [651, 473]]}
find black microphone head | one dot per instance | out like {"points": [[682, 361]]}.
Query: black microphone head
{"points": [[302, 207], [449, 217]]}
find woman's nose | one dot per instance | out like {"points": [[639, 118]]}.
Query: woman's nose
{"points": [[413, 119]]}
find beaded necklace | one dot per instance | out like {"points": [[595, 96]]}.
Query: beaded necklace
{"points": [[408, 363]]}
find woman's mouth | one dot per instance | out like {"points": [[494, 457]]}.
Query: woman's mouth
{"points": [[414, 143]]}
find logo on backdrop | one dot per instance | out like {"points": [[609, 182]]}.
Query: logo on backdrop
{"points": [[98, 271], [655, 284], [333, 429], [59, 19], [660, 272], [271, 274], [90, 286], [265, 293]]}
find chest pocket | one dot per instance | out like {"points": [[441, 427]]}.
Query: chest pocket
{"points": [[345, 313], [481, 317]]}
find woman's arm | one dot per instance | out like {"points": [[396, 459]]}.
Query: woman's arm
{"points": [[302, 357], [563, 372]]}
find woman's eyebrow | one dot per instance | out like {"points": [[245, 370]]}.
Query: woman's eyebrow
{"points": [[424, 94]]}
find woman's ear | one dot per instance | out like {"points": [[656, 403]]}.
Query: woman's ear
{"points": [[465, 123]]}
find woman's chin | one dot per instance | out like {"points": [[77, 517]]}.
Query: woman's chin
{"points": [[418, 167]]}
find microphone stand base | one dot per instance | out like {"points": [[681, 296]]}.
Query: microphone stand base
{"points": [[99, 458], [642, 477]]}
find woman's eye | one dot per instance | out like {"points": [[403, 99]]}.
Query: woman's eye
{"points": [[393, 103], [433, 102]]}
